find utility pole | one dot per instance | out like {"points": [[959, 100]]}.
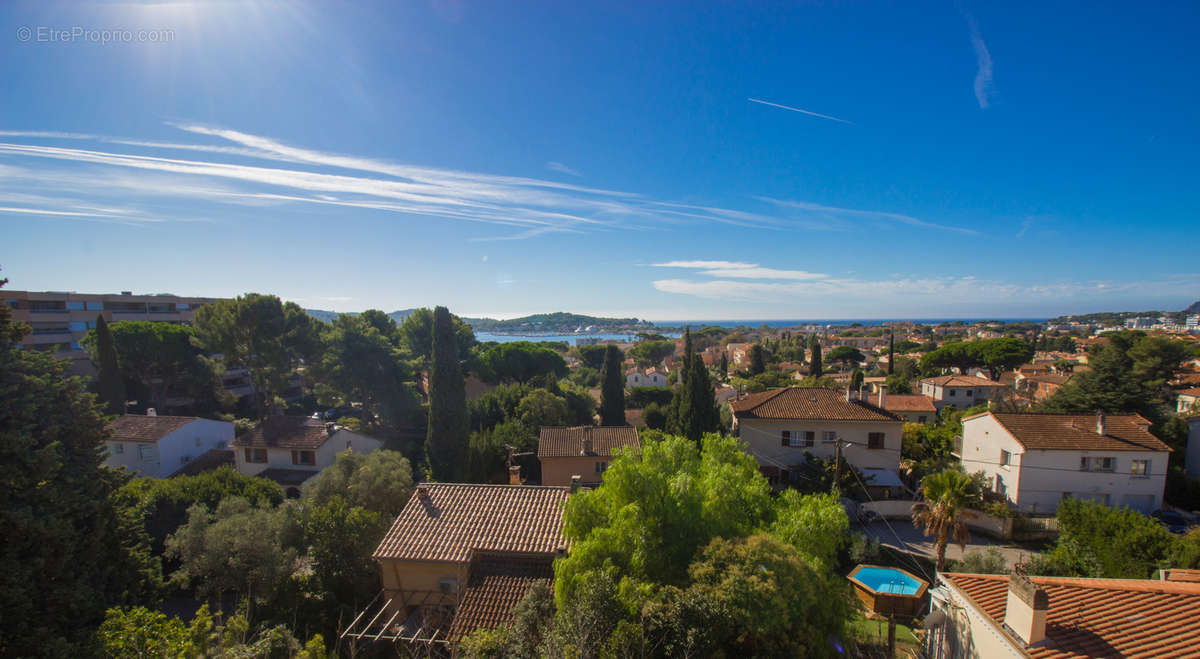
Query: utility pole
{"points": [[837, 465]]}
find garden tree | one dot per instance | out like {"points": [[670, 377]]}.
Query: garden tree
{"points": [[650, 353], [640, 397], [1155, 361], [1101, 542], [725, 364], [891, 350], [581, 406], [383, 324], [816, 525], [1003, 354], [847, 355], [238, 548], [488, 451], [942, 513], [990, 561], [585, 376], [341, 539], [360, 364], [110, 384], [380, 481], [417, 333], [447, 438], [654, 416], [267, 337], [757, 361], [612, 391], [541, 408], [951, 355], [162, 503], [67, 552], [160, 357], [592, 356], [856, 379], [1112, 383], [521, 361], [140, 632], [815, 368], [496, 405]]}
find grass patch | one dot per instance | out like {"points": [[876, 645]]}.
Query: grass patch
{"points": [[865, 630]]}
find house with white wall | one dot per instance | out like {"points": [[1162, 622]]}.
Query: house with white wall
{"points": [[158, 446], [292, 449], [1037, 460], [650, 377], [782, 425], [961, 391]]}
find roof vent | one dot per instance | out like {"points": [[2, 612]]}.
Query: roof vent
{"points": [[576, 481]]}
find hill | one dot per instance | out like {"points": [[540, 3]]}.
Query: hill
{"points": [[328, 316], [1195, 308], [557, 323]]}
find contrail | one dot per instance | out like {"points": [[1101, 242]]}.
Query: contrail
{"points": [[788, 107]]}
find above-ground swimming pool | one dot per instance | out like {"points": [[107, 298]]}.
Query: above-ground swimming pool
{"points": [[888, 590]]}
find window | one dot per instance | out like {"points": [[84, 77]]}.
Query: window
{"points": [[1140, 468], [256, 455], [95, 305], [968, 392], [809, 437], [829, 437], [1097, 464], [953, 392], [143, 453], [118, 448], [1005, 458], [785, 438], [875, 440], [307, 458], [74, 305], [601, 467]]}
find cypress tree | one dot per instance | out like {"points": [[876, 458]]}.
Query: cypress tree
{"points": [[724, 364], [758, 364], [448, 434], [681, 399], [705, 417], [110, 386], [815, 367], [612, 392], [891, 348]]}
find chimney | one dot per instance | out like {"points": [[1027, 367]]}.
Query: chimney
{"points": [[587, 441], [330, 428], [849, 394], [1026, 609], [150, 411], [514, 475], [882, 396], [1101, 427], [575, 482], [423, 493]]}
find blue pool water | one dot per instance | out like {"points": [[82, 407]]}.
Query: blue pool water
{"points": [[886, 580]]}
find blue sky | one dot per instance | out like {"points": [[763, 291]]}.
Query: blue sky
{"points": [[928, 160]]}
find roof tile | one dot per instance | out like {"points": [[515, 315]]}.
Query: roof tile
{"points": [[909, 403], [807, 403], [1077, 432], [559, 442], [497, 582], [961, 381], [147, 429], [290, 432]]}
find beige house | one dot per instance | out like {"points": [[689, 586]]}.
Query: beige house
{"points": [[961, 391], [781, 426], [458, 557], [1186, 399], [292, 449], [913, 408], [1037, 460], [582, 451], [159, 446], [996, 615]]}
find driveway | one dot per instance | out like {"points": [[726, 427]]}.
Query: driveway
{"points": [[904, 536]]}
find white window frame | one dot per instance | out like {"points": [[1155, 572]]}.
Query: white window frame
{"points": [[1143, 472]]}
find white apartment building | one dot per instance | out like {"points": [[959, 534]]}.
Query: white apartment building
{"points": [[158, 446], [1037, 460]]}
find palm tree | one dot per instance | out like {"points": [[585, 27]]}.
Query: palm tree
{"points": [[944, 509]]}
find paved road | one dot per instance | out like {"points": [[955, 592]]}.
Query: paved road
{"points": [[904, 536]]}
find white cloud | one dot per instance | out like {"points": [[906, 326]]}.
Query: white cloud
{"points": [[561, 168], [848, 217], [728, 265], [983, 75]]}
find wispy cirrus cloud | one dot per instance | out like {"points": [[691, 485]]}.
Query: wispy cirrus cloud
{"points": [[555, 166], [249, 170], [851, 218], [983, 74], [738, 270]]}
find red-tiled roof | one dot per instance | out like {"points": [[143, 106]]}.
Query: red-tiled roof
{"points": [[147, 429], [1077, 432], [497, 582], [1101, 617], [1049, 378], [1189, 392], [298, 432], [909, 403], [452, 519], [961, 381], [559, 442], [208, 461], [807, 403]]}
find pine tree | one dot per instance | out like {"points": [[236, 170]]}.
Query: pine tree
{"points": [[815, 368], [612, 393], [110, 385], [449, 432], [891, 349]]}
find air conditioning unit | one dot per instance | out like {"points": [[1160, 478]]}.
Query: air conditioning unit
{"points": [[448, 586]]}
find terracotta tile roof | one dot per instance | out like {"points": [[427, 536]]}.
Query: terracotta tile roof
{"points": [[147, 429], [1077, 432], [453, 519], [1049, 378], [961, 381], [1102, 617], [497, 582], [807, 403], [909, 403], [208, 461], [298, 432], [1181, 575], [559, 442], [1189, 392]]}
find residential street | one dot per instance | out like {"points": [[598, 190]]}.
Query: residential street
{"points": [[908, 538]]}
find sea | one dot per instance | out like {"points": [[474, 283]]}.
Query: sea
{"points": [[672, 328]]}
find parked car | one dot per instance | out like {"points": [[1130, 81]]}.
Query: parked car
{"points": [[1175, 522]]}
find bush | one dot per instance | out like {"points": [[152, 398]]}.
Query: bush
{"points": [[990, 561], [654, 416], [640, 397]]}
